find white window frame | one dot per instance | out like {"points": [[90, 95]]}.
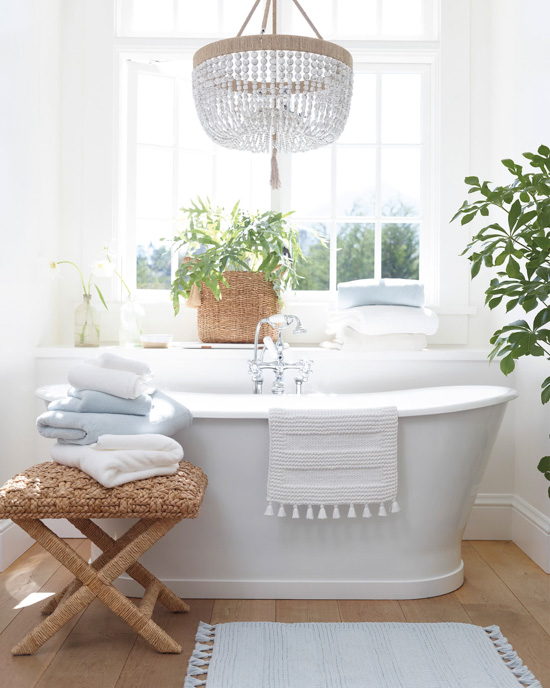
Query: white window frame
{"points": [[368, 59]]}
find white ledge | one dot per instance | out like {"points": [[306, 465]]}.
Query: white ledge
{"points": [[177, 352]]}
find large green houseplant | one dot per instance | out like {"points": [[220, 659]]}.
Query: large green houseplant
{"points": [[517, 247]]}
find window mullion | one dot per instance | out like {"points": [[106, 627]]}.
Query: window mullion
{"points": [[378, 182], [175, 168], [333, 229]]}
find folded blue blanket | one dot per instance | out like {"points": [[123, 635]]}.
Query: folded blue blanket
{"points": [[380, 292], [90, 401], [167, 416]]}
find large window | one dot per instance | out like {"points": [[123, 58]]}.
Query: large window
{"points": [[363, 206]]}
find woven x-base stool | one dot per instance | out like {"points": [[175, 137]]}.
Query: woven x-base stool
{"points": [[49, 490]]}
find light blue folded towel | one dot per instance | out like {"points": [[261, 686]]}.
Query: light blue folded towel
{"points": [[167, 416], [90, 401], [380, 292]]}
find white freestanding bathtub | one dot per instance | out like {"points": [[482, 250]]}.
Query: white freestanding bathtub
{"points": [[233, 551]]}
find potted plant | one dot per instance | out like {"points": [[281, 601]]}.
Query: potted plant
{"points": [[518, 246], [236, 266]]}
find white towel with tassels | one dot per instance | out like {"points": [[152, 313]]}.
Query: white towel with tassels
{"points": [[334, 458]]}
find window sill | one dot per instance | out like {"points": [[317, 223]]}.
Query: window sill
{"points": [[178, 352]]}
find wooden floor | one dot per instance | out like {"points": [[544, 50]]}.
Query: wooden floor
{"points": [[97, 649]]}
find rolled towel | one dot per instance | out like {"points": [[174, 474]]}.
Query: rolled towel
{"points": [[107, 359], [69, 427], [128, 459], [376, 320], [380, 292], [90, 401], [119, 383]]}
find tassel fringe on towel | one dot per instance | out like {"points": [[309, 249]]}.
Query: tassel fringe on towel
{"points": [[322, 513]]}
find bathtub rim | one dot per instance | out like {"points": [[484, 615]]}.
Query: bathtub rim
{"points": [[409, 402]]}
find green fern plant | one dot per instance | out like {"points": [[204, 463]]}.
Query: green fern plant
{"points": [[216, 240]]}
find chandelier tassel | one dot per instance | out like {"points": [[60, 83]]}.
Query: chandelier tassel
{"points": [[275, 179]]}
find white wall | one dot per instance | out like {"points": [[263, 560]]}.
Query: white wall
{"points": [[29, 209]]}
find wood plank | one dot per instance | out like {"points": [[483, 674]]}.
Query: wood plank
{"points": [[529, 583], [305, 611], [24, 672], [487, 601], [442, 609], [225, 611], [146, 667], [25, 576], [356, 611]]}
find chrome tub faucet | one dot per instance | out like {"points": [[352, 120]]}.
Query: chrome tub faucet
{"points": [[276, 349]]}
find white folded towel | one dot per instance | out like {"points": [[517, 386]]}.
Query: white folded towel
{"points": [[120, 383], [377, 320], [108, 359], [118, 459]]}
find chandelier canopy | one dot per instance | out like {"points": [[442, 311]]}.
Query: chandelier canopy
{"points": [[273, 91]]}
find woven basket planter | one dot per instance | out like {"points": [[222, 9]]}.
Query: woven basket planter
{"points": [[234, 317]]}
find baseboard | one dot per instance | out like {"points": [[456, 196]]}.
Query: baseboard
{"points": [[491, 518], [14, 541], [531, 532]]}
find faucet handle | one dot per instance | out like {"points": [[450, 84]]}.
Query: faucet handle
{"points": [[305, 366]]}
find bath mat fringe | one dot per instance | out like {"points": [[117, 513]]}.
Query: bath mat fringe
{"points": [[322, 513], [511, 658], [200, 657]]}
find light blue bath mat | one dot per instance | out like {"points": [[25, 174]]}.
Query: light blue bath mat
{"points": [[354, 655]]}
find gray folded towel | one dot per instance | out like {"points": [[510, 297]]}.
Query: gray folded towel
{"points": [[90, 401], [167, 416]]}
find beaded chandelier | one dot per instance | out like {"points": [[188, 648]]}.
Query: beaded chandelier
{"points": [[273, 91]]}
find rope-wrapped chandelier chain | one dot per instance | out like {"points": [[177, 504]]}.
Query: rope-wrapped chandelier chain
{"points": [[273, 91]]}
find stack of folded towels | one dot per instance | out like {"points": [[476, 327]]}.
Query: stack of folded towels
{"points": [[113, 424], [381, 314]]}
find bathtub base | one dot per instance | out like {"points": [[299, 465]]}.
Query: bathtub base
{"points": [[306, 590]]}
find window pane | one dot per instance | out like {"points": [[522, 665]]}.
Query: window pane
{"points": [[155, 110], [355, 257], [355, 181], [401, 108], [400, 250], [153, 256], [196, 172], [150, 17], [402, 17], [234, 14], [401, 181], [320, 13], [311, 183], [357, 20], [238, 173], [191, 133], [153, 182], [197, 17], [315, 269], [361, 124]]}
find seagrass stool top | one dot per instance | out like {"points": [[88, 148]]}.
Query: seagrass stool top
{"points": [[51, 490]]}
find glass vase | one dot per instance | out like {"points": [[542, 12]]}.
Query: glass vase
{"points": [[131, 323], [86, 323]]}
